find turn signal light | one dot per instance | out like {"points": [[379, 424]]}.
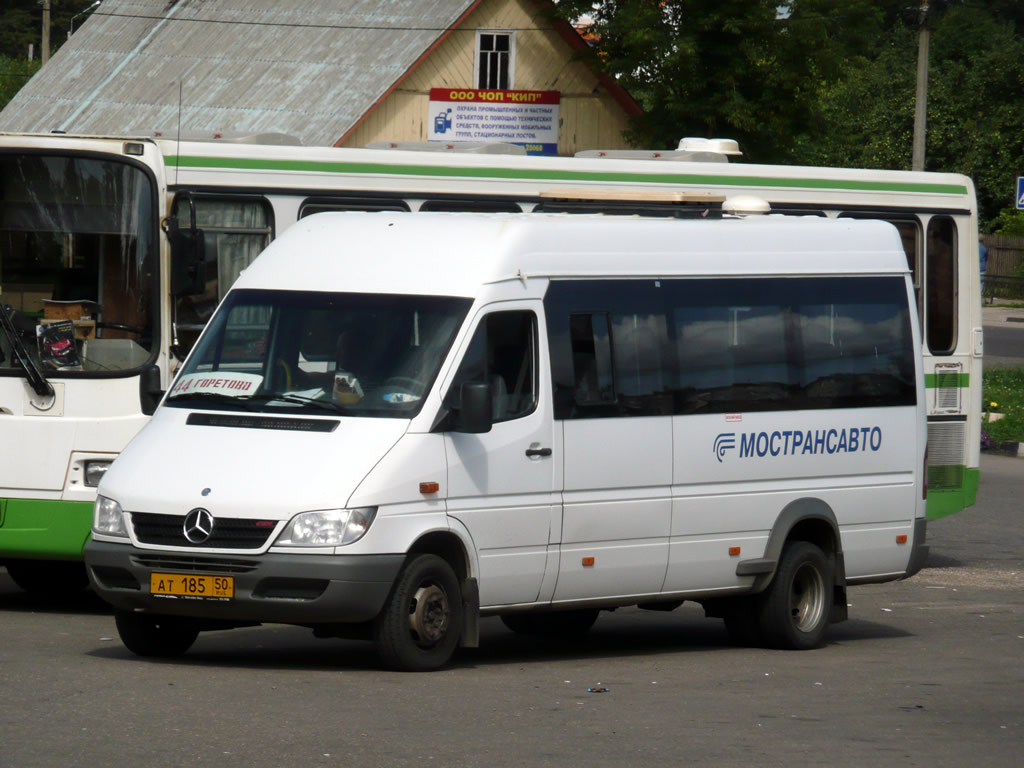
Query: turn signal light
{"points": [[430, 487], [901, 539], [587, 562], [734, 551]]}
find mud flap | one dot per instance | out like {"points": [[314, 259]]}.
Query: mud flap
{"points": [[470, 614]]}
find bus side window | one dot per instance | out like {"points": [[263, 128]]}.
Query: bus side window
{"points": [[940, 286], [910, 235], [236, 230]]}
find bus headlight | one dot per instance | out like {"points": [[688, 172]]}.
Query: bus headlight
{"points": [[94, 472], [108, 518], [327, 527]]}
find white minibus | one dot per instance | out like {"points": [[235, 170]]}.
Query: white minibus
{"points": [[394, 425]]}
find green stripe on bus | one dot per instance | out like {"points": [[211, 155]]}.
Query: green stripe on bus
{"points": [[949, 501], [44, 529], [937, 380], [534, 174]]}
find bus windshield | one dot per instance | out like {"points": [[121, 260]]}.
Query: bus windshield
{"points": [[353, 354], [77, 263]]}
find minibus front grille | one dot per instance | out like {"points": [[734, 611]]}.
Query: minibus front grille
{"points": [[194, 564], [226, 533]]}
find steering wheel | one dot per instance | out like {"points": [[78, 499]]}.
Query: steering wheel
{"points": [[406, 384]]}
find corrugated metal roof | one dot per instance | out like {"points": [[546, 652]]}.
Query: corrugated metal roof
{"points": [[308, 68]]}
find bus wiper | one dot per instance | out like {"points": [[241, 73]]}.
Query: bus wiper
{"points": [[35, 377], [219, 397], [287, 397]]}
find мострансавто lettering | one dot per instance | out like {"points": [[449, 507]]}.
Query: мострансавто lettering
{"points": [[794, 442]]}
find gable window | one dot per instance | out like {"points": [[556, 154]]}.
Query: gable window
{"points": [[495, 60]]}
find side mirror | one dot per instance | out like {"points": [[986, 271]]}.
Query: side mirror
{"points": [[149, 389], [188, 255], [474, 416]]}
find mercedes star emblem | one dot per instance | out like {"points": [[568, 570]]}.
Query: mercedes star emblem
{"points": [[198, 525]]}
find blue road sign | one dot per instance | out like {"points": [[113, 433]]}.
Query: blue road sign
{"points": [[1020, 193]]}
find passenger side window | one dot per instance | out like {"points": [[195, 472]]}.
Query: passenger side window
{"points": [[502, 354], [610, 353], [722, 345]]}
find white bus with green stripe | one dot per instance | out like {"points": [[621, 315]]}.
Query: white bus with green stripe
{"points": [[114, 251]]}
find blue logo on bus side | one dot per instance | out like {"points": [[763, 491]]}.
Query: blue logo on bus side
{"points": [[791, 442]]}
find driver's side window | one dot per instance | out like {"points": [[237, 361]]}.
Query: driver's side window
{"points": [[502, 354]]}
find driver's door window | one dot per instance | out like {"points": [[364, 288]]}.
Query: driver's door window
{"points": [[503, 354]]}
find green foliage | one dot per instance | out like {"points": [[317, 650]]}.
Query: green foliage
{"points": [[826, 82], [21, 23], [1009, 222], [734, 68], [14, 73], [1003, 392]]}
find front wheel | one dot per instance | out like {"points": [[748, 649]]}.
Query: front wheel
{"points": [[419, 627], [796, 606], [162, 636]]}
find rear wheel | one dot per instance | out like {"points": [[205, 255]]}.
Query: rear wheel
{"points": [[551, 623], [48, 577], [419, 628], [795, 608], [146, 635]]}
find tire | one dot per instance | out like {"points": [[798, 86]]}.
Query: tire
{"points": [[161, 636], [48, 577], [795, 609], [552, 623], [419, 628]]}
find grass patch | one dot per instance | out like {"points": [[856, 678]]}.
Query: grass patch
{"points": [[1003, 392]]}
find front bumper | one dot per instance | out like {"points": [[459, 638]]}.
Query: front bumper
{"points": [[273, 588]]}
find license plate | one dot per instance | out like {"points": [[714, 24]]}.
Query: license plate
{"points": [[191, 585]]}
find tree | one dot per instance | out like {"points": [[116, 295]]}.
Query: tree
{"points": [[21, 23], [825, 82], [975, 105], [745, 69], [14, 73]]}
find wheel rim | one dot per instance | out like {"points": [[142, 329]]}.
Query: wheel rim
{"points": [[807, 598], [429, 615]]}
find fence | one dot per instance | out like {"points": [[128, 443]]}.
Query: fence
{"points": [[1005, 255], [1004, 278]]}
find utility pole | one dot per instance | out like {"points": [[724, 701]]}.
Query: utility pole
{"points": [[921, 101], [45, 53]]}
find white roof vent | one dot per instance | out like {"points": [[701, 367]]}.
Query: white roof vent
{"points": [[746, 205], [718, 146]]}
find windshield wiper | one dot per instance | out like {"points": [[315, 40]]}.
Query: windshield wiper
{"points": [[287, 397], [35, 378], [219, 397]]}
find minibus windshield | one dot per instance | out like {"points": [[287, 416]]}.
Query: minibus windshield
{"points": [[354, 354]]}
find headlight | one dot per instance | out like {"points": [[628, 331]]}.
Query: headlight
{"points": [[108, 518], [327, 527], [94, 472]]}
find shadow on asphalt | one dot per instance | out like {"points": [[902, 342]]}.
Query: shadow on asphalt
{"points": [[13, 598], [293, 648]]}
